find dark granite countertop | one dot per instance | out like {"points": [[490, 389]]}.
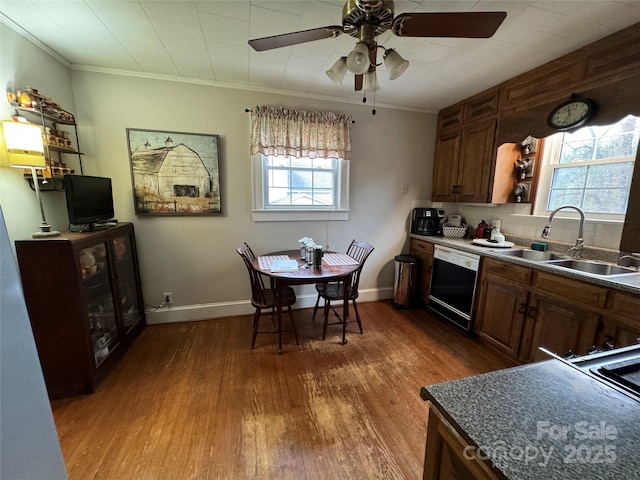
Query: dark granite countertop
{"points": [[628, 282], [545, 420]]}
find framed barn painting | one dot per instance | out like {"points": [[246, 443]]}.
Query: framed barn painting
{"points": [[174, 173]]}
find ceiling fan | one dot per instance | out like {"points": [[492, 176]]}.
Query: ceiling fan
{"points": [[366, 19]]}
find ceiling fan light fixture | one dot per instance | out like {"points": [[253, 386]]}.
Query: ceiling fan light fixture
{"points": [[371, 81], [338, 71], [358, 60], [395, 64]]}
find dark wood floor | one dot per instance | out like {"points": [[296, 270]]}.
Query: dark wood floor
{"points": [[193, 401]]}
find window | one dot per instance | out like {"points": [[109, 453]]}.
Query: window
{"points": [[301, 182], [300, 164], [590, 168], [291, 188]]}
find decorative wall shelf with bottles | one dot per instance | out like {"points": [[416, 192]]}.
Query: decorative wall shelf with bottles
{"points": [[60, 143]]}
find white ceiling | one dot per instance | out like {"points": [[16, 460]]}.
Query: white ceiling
{"points": [[206, 42]]}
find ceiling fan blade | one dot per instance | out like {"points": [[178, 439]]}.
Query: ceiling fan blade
{"points": [[359, 80], [294, 38], [453, 24]]}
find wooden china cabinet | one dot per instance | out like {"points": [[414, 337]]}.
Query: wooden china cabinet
{"points": [[84, 300]]}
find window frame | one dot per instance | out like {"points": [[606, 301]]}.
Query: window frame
{"points": [[549, 162], [263, 212]]}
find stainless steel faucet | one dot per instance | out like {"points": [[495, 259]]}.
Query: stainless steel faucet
{"points": [[576, 250], [630, 260]]}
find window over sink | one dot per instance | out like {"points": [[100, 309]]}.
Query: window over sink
{"points": [[590, 168]]}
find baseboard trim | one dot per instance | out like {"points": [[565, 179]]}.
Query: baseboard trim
{"points": [[208, 311]]}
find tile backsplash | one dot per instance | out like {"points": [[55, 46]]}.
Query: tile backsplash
{"points": [[517, 221]]}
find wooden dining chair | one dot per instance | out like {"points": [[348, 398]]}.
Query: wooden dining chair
{"points": [[265, 300], [329, 292]]}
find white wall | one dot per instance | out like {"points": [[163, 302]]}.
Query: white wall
{"points": [[195, 258], [21, 65], [29, 447]]}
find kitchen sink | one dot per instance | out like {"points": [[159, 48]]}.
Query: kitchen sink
{"points": [[533, 255], [591, 267]]}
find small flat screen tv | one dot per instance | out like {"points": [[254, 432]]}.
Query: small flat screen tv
{"points": [[89, 200]]}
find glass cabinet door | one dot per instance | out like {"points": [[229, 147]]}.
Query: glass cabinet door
{"points": [[96, 284], [127, 286]]}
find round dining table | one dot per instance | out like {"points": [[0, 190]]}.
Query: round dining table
{"points": [[305, 275]]}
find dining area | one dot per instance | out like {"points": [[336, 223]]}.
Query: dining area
{"points": [[274, 275]]}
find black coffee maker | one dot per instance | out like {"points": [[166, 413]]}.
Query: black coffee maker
{"points": [[427, 221]]}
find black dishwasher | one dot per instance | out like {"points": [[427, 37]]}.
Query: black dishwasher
{"points": [[453, 284]]}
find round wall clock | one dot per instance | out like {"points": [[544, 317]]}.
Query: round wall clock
{"points": [[571, 114]]}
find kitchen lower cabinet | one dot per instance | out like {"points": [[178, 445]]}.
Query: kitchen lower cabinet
{"points": [[620, 324], [83, 295], [521, 309], [558, 326], [614, 333], [502, 305], [423, 251], [501, 314], [448, 456]]}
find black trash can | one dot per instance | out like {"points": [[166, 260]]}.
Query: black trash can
{"points": [[406, 281]]}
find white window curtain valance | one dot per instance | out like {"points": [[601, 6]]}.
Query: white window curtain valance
{"points": [[281, 131]]}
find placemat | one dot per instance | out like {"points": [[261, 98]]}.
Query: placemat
{"points": [[264, 262], [335, 259]]}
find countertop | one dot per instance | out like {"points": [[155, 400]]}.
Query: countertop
{"points": [[626, 282], [545, 420]]}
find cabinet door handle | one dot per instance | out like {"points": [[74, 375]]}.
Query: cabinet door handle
{"points": [[523, 307], [531, 311]]}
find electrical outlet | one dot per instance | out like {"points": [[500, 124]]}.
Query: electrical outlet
{"points": [[167, 298]]}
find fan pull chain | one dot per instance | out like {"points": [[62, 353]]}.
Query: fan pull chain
{"points": [[373, 112]]}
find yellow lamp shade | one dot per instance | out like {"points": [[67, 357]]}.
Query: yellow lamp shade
{"points": [[23, 144]]}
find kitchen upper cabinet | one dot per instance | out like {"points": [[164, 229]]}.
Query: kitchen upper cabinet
{"points": [[465, 150], [451, 118], [476, 159], [463, 164], [445, 170]]}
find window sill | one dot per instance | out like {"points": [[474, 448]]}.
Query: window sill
{"points": [[299, 215]]}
